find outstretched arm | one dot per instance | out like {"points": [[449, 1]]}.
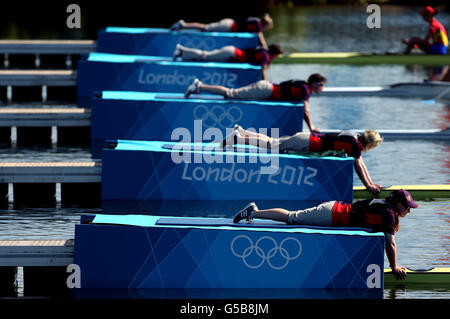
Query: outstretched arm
{"points": [[262, 40], [364, 176], [307, 117], [391, 253], [264, 72]]}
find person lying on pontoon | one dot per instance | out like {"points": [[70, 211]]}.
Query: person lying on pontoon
{"points": [[250, 24], [376, 214], [352, 144], [258, 55], [436, 41], [292, 90]]}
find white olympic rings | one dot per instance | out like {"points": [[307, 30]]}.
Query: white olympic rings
{"points": [[217, 115], [201, 43], [266, 256]]}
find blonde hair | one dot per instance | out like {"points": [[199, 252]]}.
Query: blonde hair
{"points": [[371, 138], [267, 20]]}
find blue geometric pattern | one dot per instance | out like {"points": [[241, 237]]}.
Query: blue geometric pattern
{"points": [[154, 119], [211, 257], [157, 76], [162, 42], [152, 174]]}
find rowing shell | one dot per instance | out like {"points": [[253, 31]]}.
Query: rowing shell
{"points": [[427, 90], [364, 58], [418, 192], [427, 134], [433, 276]]}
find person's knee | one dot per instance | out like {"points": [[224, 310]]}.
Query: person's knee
{"points": [[290, 218]]}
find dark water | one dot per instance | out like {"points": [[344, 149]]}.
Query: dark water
{"points": [[423, 240], [344, 28]]}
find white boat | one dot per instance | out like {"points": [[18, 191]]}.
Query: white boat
{"points": [[427, 90], [426, 134]]}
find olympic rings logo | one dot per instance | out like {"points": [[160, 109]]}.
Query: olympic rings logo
{"points": [[217, 115], [207, 43], [256, 252]]}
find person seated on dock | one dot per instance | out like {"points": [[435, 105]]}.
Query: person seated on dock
{"points": [[352, 144], [376, 214], [292, 90], [257, 56], [250, 24], [436, 41]]}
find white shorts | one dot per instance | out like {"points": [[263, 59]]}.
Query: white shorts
{"points": [[223, 25], [223, 54], [315, 216], [298, 142], [260, 90]]}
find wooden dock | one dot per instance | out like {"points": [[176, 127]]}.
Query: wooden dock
{"points": [[38, 77], [36, 48], [50, 172], [47, 46], [44, 117], [38, 253], [42, 265], [50, 183], [19, 121]]}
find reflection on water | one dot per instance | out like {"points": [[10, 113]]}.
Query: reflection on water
{"points": [[344, 29], [40, 223], [229, 293], [349, 75], [423, 240], [41, 154], [417, 293]]}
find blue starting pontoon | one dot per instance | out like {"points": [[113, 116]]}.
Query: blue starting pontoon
{"points": [[155, 170], [100, 71], [156, 116], [136, 251], [162, 42]]}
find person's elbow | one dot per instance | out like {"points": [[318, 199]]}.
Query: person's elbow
{"points": [[390, 241], [357, 164], [264, 73], [392, 245], [305, 108]]}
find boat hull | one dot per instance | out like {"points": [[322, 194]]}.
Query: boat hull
{"points": [[357, 58]]}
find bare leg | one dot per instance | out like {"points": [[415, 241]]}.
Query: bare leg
{"points": [[248, 133], [214, 89], [194, 25], [277, 214], [256, 139], [223, 54]]}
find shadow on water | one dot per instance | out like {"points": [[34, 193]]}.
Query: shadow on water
{"points": [[423, 292], [228, 293]]}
